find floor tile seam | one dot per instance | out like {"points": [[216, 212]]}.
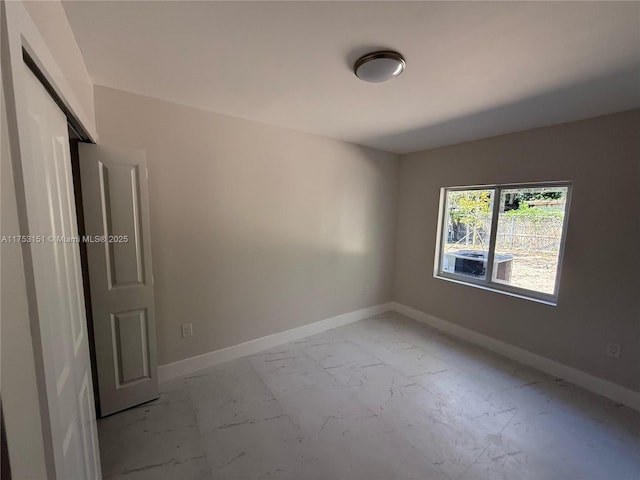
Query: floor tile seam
{"points": [[392, 429], [420, 452], [403, 375], [130, 469], [421, 387], [351, 395], [278, 397], [455, 409], [489, 443], [198, 428]]}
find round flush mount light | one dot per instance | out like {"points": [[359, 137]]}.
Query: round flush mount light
{"points": [[379, 66]]}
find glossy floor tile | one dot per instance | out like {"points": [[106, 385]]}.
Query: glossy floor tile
{"points": [[381, 399]]}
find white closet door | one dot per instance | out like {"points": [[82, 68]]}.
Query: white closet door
{"points": [[46, 167]]}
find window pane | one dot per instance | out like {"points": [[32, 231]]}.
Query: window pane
{"points": [[466, 232], [528, 237]]}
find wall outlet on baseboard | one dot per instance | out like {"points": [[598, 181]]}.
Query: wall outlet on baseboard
{"points": [[187, 330], [614, 349]]}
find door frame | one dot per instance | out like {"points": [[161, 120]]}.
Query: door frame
{"points": [[22, 39]]}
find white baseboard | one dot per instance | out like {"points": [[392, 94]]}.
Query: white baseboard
{"points": [[192, 364], [589, 382]]}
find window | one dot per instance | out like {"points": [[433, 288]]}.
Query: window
{"points": [[507, 238]]}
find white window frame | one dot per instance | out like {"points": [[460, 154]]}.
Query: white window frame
{"points": [[487, 283]]}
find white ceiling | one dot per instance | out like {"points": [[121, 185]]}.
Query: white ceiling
{"points": [[474, 69]]}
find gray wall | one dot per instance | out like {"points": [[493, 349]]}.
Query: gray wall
{"points": [[255, 229], [599, 298]]}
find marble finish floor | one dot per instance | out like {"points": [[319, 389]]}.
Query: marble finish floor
{"points": [[381, 399]]}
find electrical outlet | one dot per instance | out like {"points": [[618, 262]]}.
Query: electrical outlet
{"points": [[614, 350], [187, 329], [365, 290]]}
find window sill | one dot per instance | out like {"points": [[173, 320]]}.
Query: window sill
{"points": [[490, 288]]}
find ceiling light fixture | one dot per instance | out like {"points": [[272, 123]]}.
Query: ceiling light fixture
{"points": [[379, 66]]}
